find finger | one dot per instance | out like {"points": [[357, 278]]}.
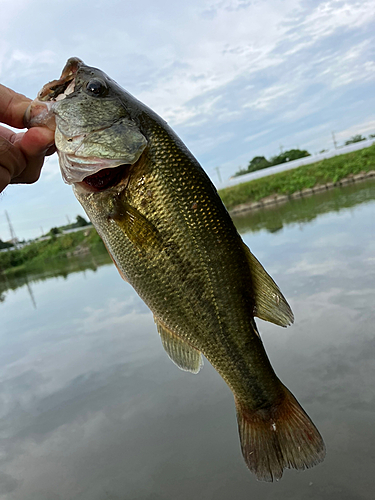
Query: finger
{"points": [[34, 144], [30, 174], [8, 134], [37, 141], [11, 159], [5, 178], [12, 107]]}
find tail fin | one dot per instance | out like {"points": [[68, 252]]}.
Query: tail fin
{"points": [[279, 437]]}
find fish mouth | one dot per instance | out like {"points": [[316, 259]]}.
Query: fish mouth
{"points": [[40, 112], [106, 178], [59, 89]]}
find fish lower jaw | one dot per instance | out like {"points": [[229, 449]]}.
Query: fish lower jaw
{"points": [[76, 169]]}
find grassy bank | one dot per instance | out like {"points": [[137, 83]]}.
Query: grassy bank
{"points": [[38, 254], [307, 176]]}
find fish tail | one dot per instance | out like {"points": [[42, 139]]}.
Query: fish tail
{"points": [[279, 437]]}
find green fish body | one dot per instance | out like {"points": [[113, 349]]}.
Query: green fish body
{"points": [[172, 239]]}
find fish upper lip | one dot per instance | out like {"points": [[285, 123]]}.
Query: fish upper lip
{"points": [[41, 110], [52, 90]]}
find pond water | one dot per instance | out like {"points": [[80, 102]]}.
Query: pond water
{"points": [[93, 409]]}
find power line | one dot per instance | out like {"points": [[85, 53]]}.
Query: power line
{"points": [[218, 174], [334, 140], [11, 230]]}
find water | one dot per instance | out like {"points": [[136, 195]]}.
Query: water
{"points": [[93, 409]]}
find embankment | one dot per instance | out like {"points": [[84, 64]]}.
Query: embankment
{"points": [[302, 181], [37, 255]]}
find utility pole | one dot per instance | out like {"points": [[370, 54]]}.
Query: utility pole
{"points": [[334, 140], [218, 174], [11, 230]]}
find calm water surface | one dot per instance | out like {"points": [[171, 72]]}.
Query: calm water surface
{"points": [[93, 409]]}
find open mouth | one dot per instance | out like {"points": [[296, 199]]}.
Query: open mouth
{"points": [[106, 178], [59, 89], [40, 111]]}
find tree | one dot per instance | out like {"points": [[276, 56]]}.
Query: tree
{"points": [[355, 138], [81, 222], [292, 154], [5, 244], [241, 171], [257, 163], [54, 231]]}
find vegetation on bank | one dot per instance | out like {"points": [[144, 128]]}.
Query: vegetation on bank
{"points": [[307, 176], [38, 254]]}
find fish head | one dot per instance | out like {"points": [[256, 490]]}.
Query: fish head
{"points": [[94, 129]]}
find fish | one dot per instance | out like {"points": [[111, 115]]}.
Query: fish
{"points": [[171, 237]]}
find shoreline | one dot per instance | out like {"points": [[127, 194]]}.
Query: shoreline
{"points": [[275, 199]]}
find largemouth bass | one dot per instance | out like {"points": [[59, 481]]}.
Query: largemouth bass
{"points": [[172, 239]]}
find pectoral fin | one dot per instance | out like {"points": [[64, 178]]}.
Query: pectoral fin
{"points": [[270, 303], [185, 356], [141, 232]]}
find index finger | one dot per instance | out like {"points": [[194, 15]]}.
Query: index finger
{"points": [[12, 107]]}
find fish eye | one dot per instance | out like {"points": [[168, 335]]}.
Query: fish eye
{"points": [[96, 88]]}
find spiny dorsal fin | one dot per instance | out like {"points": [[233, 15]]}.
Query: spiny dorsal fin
{"points": [[185, 356], [270, 303]]}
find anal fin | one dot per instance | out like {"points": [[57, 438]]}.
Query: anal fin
{"points": [[182, 354]]}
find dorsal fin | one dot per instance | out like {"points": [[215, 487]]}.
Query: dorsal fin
{"points": [[182, 354], [270, 303]]}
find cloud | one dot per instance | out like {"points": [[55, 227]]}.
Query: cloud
{"points": [[365, 128], [220, 72]]}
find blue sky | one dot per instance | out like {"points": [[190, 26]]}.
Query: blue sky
{"points": [[234, 78]]}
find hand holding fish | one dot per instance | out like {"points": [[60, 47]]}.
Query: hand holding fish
{"points": [[21, 154]]}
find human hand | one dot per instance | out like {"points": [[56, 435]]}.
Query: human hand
{"points": [[21, 154]]}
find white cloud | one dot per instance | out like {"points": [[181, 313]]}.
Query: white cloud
{"points": [[364, 128], [330, 16], [222, 72]]}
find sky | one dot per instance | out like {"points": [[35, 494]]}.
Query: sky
{"points": [[234, 78]]}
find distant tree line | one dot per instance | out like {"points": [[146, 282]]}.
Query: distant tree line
{"points": [[358, 138], [260, 162], [5, 244], [80, 222]]}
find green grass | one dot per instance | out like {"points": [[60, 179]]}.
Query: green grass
{"points": [[307, 176], [39, 253]]}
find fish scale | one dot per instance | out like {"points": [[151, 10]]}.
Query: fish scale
{"points": [[224, 325], [172, 239]]}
